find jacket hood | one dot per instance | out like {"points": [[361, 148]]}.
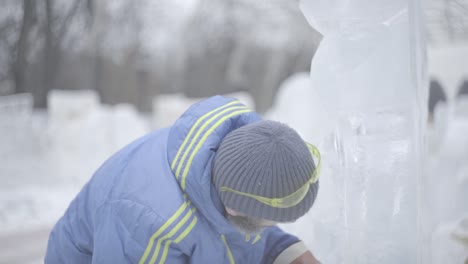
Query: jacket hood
{"points": [[192, 144]]}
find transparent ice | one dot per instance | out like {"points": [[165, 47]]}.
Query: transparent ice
{"points": [[368, 72]]}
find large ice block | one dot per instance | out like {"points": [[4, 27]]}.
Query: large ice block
{"points": [[294, 99], [78, 124], [369, 73]]}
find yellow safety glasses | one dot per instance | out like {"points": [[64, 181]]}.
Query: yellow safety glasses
{"points": [[292, 199]]}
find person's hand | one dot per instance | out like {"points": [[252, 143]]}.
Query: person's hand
{"points": [[306, 258]]}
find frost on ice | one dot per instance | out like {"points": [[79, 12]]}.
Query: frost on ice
{"points": [[368, 74]]}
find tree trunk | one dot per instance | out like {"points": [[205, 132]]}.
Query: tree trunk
{"points": [[20, 63], [49, 60]]}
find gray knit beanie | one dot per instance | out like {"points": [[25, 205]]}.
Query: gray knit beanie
{"points": [[267, 159]]}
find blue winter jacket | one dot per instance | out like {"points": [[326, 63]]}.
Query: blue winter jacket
{"points": [[153, 201]]}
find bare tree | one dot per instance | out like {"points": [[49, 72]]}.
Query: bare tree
{"points": [[10, 27], [131, 50], [31, 43], [54, 31], [22, 48]]}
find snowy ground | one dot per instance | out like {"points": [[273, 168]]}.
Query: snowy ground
{"points": [[47, 157]]}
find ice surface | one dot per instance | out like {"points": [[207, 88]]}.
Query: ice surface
{"points": [[368, 74], [444, 194], [450, 242], [297, 97], [446, 183], [330, 16]]}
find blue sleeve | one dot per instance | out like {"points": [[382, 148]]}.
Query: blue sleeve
{"points": [[276, 240], [121, 232], [70, 239], [113, 241], [124, 234]]}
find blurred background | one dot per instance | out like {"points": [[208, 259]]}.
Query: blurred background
{"points": [[79, 79], [130, 51]]}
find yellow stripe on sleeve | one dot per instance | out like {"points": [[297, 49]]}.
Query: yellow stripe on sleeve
{"points": [[257, 238], [161, 229], [170, 234], [231, 258], [177, 240], [200, 143], [166, 239], [197, 135], [192, 129]]}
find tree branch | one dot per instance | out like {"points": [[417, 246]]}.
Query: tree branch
{"points": [[66, 21]]}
